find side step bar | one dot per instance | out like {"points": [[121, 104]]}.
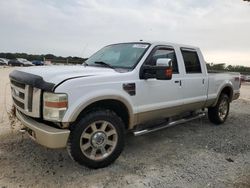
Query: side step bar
{"points": [[169, 124]]}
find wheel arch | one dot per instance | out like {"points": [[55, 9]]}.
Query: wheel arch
{"points": [[117, 104], [228, 90]]}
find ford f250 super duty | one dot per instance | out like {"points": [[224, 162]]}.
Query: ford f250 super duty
{"points": [[136, 87]]}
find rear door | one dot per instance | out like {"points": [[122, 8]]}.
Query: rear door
{"points": [[194, 81]]}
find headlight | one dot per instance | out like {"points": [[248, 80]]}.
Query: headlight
{"points": [[54, 106]]}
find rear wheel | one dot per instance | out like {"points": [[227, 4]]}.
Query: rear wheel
{"points": [[219, 113], [97, 139]]}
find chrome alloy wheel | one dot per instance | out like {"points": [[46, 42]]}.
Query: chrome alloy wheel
{"points": [[98, 140], [223, 109]]}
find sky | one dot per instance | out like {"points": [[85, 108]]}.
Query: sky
{"points": [[221, 28]]}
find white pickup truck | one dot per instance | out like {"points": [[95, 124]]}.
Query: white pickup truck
{"points": [[134, 87]]}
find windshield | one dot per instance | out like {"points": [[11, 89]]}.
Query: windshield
{"points": [[124, 55]]}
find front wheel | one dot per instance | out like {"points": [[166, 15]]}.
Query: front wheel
{"points": [[219, 113], [97, 139]]}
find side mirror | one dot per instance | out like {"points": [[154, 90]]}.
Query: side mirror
{"points": [[164, 69]]}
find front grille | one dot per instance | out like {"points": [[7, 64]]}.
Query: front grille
{"points": [[26, 98]]}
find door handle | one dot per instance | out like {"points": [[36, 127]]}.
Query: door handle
{"points": [[178, 82]]}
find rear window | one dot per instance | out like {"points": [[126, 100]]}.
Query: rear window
{"points": [[191, 61]]}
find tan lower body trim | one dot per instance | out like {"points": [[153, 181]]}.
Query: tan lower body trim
{"points": [[167, 112]]}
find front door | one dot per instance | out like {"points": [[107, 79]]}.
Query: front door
{"points": [[157, 99]]}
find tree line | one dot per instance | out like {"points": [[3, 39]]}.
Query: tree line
{"points": [[49, 57], [222, 67]]}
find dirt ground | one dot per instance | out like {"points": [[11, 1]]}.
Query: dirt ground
{"points": [[194, 154]]}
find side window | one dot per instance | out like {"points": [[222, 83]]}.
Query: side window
{"points": [[164, 53], [191, 61]]}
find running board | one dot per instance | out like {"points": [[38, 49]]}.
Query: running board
{"points": [[163, 126]]}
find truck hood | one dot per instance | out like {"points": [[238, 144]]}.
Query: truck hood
{"points": [[46, 77]]}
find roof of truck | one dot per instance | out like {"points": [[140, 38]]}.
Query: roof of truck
{"points": [[168, 43], [157, 43]]}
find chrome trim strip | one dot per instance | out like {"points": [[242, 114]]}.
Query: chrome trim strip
{"points": [[36, 102], [26, 97]]}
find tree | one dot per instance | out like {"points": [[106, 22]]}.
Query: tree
{"points": [[9, 56], [217, 67], [49, 56]]}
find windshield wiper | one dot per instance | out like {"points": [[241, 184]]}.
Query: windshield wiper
{"points": [[105, 64]]}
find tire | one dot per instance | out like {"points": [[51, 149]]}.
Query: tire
{"points": [[219, 113], [94, 134]]}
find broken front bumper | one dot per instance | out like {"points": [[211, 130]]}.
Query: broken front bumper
{"points": [[43, 134]]}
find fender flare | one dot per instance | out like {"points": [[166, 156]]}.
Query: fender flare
{"points": [[229, 85]]}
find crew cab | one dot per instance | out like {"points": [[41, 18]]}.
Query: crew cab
{"points": [[136, 87]]}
